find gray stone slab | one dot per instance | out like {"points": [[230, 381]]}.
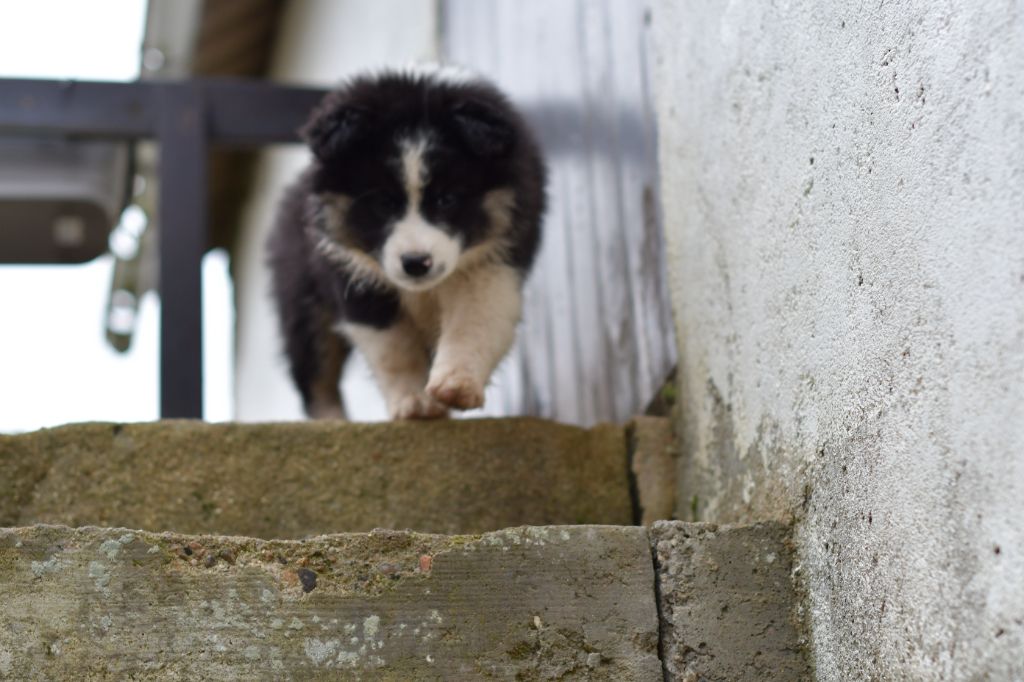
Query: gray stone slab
{"points": [[527, 603], [727, 603], [299, 479]]}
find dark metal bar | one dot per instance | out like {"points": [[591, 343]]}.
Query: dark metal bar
{"points": [[239, 112], [246, 113], [183, 212], [120, 110]]}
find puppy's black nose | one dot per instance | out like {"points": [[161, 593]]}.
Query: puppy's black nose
{"points": [[417, 264]]}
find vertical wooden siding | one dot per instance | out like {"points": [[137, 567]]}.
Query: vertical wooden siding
{"points": [[597, 338]]}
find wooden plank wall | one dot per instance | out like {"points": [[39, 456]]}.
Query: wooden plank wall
{"points": [[597, 339]]}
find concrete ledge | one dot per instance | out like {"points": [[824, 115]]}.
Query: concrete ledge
{"points": [[527, 603], [299, 479], [727, 603]]}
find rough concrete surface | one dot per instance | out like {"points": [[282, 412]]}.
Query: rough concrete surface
{"points": [[843, 202], [297, 479], [528, 603], [727, 604]]}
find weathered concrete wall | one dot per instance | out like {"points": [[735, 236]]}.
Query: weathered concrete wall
{"points": [[844, 199]]}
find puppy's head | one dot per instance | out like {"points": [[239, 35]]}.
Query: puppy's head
{"points": [[412, 174]]}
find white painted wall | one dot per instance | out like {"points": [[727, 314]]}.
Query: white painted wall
{"points": [[843, 187], [596, 342], [321, 42]]}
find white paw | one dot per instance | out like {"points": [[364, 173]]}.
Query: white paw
{"points": [[417, 406], [456, 388]]}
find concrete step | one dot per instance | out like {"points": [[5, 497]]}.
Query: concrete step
{"points": [[572, 602], [549, 601], [561, 602], [300, 479], [727, 603]]}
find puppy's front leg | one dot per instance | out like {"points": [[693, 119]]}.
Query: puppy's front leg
{"points": [[479, 314], [399, 360]]}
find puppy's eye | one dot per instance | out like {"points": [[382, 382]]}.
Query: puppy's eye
{"points": [[445, 200]]}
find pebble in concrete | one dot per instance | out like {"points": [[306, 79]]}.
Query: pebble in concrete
{"points": [[527, 603], [727, 603]]}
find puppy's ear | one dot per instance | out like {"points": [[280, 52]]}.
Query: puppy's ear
{"points": [[330, 133], [484, 129]]}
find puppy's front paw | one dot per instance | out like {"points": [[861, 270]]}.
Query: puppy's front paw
{"points": [[418, 406], [456, 388]]}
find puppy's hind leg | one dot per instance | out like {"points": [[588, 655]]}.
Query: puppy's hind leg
{"points": [[316, 357], [324, 393]]}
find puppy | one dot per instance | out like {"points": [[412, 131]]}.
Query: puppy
{"points": [[408, 237]]}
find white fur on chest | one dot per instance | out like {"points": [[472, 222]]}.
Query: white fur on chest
{"points": [[445, 342], [424, 311]]}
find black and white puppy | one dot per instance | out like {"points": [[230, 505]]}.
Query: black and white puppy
{"points": [[409, 237]]}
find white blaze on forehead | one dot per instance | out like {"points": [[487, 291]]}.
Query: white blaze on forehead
{"points": [[414, 169], [414, 234]]}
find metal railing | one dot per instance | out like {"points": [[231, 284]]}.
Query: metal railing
{"points": [[185, 118]]}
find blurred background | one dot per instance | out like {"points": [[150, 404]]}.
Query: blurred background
{"points": [[78, 218]]}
